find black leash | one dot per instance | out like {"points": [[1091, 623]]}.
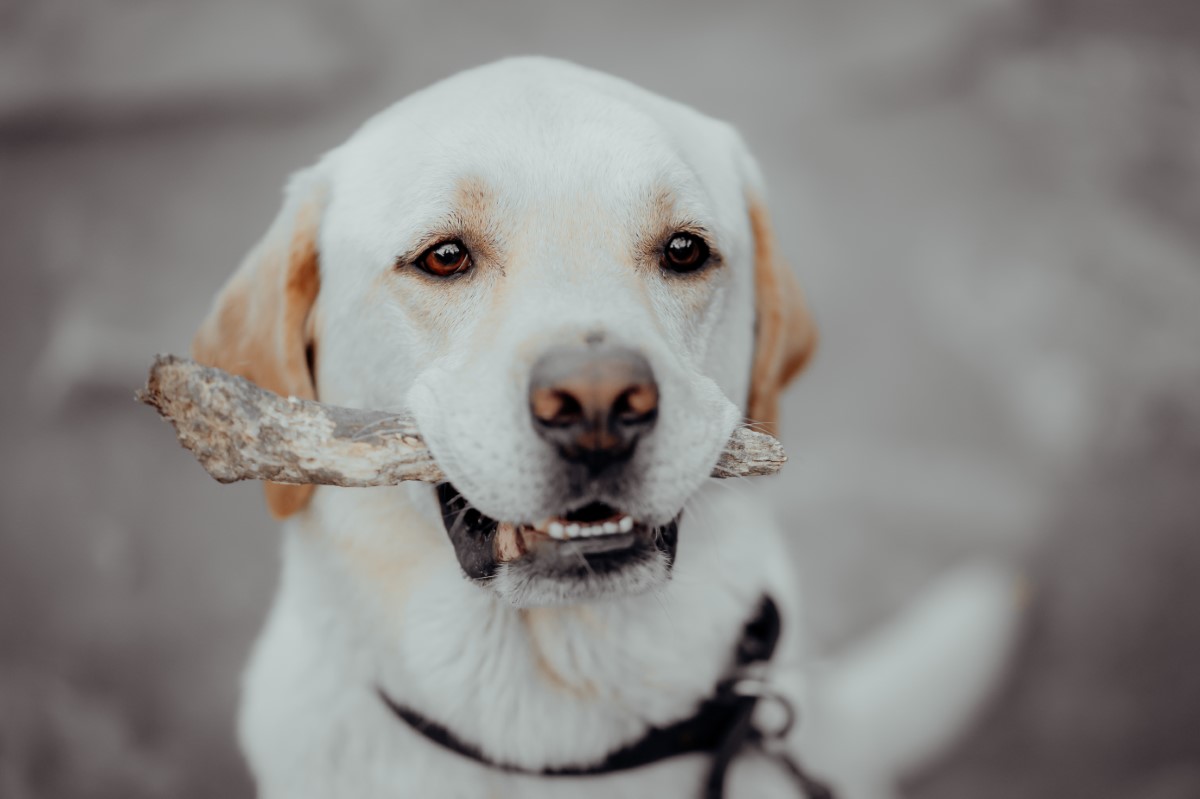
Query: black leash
{"points": [[722, 726]]}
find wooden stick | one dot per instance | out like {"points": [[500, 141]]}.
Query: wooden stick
{"points": [[239, 431]]}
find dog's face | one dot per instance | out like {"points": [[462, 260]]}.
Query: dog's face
{"points": [[570, 283]]}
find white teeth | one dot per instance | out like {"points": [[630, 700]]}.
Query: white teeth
{"points": [[563, 529]]}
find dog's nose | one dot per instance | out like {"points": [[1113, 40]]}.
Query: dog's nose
{"points": [[593, 402]]}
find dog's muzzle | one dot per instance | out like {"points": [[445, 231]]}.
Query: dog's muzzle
{"points": [[591, 402]]}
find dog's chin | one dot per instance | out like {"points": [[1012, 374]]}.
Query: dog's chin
{"points": [[589, 553]]}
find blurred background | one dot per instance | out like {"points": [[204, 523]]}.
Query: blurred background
{"points": [[993, 204]]}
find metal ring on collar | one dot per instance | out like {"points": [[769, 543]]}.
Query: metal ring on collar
{"points": [[762, 690]]}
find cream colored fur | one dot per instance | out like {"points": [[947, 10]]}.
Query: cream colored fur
{"points": [[563, 171]]}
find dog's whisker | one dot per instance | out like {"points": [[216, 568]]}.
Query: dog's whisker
{"points": [[755, 425], [726, 485], [458, 513], [657, 594], [376, 428], [382, 420], [586, 565]]}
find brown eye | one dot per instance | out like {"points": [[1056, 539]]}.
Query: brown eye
{"points": [[685, 252], [445, 259]]}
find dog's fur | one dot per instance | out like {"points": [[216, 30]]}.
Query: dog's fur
{"points": [[563, 183]]}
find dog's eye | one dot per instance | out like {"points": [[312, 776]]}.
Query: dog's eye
{"points": [[685, 252], [445, 259]]}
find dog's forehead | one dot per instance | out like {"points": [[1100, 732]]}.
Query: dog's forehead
{"points": [[533, 134]]}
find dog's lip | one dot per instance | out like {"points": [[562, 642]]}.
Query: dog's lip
{"points": [[590, 545], [482, 543], [594, 520]]}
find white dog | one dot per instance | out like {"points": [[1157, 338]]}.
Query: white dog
{"points": [[574, 285]]}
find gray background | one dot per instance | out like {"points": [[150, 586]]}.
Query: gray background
{"points": [[993, 205]]}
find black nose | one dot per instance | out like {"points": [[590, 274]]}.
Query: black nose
{"points": [[593, 402]]}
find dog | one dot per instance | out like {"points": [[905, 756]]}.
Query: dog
{"points": [[574, 286]]}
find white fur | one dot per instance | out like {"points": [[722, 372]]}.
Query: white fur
{"points": [[372, 595]]}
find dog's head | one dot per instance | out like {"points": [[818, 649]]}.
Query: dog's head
{"points": [[571, 282]]}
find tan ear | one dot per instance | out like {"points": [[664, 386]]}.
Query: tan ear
{"points": [[259, 323], [785, 335]]}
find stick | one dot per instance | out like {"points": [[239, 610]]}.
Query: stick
{"points": [[239, 431]]}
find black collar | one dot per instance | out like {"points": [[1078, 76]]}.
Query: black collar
{"points": [[721, 726]]}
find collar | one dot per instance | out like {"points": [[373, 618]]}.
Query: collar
{"points": [[722, 725]]}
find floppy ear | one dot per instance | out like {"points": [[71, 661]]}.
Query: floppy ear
{"points": [[785, 335], [259, 324]]}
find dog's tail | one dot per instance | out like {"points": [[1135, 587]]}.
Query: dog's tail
{"points": [[894, 701]]}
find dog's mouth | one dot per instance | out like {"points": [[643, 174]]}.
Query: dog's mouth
{"points": [[586, 542]]}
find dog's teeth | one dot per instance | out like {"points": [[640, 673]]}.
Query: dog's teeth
{"points": [[542, 526], [563, 530]]}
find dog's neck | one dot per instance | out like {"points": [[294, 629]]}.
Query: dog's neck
{"points": [[454, 651]]}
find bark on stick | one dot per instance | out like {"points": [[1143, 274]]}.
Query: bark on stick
{"points": [[239, 431]]}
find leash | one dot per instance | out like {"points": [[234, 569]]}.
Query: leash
{"points": [[723, 725]]}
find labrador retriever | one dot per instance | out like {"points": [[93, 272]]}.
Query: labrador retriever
{"points": [[574, 286]]}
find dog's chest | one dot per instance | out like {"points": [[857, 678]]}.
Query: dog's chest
{"points": [[537, 687]]}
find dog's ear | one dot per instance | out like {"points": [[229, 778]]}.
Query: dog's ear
{"points": [[259, 326], [784, 334]]}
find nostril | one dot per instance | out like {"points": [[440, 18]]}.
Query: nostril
{"points": [[570, 411], [555, 407], [636, 405]]}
